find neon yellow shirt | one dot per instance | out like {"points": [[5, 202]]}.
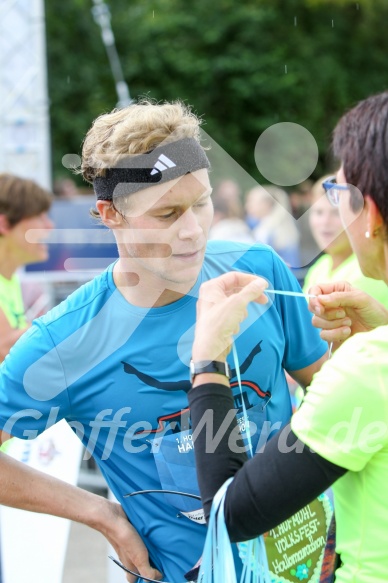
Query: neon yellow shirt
{"points": [[322, 272], [11, 301], [344, 418]]}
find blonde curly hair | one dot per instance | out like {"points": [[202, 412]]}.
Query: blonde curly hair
{"points": [[136, 129]]}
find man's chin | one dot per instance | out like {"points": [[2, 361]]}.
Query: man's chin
{"points": [[182, 280]]}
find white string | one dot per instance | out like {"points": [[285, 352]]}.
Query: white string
{"points": [[289, 293], [253, 552], [247, 425]]}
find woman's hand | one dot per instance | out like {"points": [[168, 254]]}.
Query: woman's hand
{"points": [[341, 311], [221, 307]]}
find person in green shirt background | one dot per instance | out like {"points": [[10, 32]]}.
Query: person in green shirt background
{"points": [[339, 262], [23, 206]]}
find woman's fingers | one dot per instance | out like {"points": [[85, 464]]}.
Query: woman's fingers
{"points": [[232, 283], [331, 323], [336, 335]]}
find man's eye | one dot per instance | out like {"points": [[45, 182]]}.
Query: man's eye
{"points": [[203, 202], [167, 216]]}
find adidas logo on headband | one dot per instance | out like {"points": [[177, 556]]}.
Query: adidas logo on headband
{"points": [[162, 164]]}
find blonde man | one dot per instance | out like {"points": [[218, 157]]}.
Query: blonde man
{"points": [[113, 359]]}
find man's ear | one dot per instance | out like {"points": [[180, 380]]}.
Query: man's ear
{"points": [[375, 221], [109, 215], [4, 225]]}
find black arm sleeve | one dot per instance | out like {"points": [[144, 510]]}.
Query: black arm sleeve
{"points": [[277, 482]]}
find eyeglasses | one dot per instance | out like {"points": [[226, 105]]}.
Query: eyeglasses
{"points": [[332, 190]]}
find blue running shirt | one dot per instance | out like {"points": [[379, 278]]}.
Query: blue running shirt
{"points": [[119, 375]]}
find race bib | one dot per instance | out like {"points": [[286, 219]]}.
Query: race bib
{"points": [[175, 460]]}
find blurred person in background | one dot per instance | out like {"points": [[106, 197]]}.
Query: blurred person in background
{"points": [[228, 220], [300, 200], [23, 206], [228, 226], [339, 262], [268, 214], [229, 192], [65, 189]]}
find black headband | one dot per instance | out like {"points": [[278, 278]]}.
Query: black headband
{"points": [[162, 164]]}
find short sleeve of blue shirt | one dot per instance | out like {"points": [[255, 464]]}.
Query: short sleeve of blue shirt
{"points": [[28, 405]]}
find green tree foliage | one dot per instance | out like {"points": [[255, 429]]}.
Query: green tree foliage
{"points": [[243, 65]]}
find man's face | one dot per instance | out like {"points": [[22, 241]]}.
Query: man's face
{"points": [[165, 229]]}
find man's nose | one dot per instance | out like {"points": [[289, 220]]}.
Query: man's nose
{"points": [[189, 225]]}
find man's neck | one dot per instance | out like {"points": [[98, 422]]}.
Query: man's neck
{"points": [[148, 292]]}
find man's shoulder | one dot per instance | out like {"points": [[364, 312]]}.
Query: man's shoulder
{"points": [[82, 303], [218, 247], [223, 256]]}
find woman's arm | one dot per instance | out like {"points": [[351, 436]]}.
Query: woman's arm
{"points": [[285, 475], [277, 482]]}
